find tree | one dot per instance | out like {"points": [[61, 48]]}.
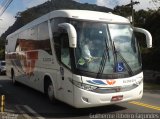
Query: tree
{"points": [[122, 11], [2, 47]]}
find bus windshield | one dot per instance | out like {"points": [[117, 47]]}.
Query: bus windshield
{"points": [[106, 48]]}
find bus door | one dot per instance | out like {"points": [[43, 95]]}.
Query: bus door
{"points": [[64, 74]]}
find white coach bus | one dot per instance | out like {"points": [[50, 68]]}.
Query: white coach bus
{"points": [[83, 58]]}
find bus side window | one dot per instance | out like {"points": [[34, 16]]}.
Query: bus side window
{"points": [[61, 41], [65, 57]]}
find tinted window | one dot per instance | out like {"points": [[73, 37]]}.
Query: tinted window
{"points": [[43, 37], [36, 38], [57, 33], [65, 56]]}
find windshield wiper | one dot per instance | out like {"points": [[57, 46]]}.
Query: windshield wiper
{"points": [[130, 72], [103, 61]]}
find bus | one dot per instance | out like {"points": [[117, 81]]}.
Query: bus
{"points": [[80, 57]]}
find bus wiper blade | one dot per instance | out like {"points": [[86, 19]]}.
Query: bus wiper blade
{"points": [[102, 65], [103, 61], [130, 72]]}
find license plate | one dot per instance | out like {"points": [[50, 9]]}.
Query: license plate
{"points": [[117, 98]]}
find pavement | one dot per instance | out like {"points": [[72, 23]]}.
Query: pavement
{"points": [[23, 102]]}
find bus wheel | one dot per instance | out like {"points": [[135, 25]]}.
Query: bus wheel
{"points": [[50, 92]]}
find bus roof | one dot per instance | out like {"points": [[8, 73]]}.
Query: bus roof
{"points": [[89, 15], [76, 14]]}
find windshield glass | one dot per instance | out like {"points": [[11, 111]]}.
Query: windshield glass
{"points": [[125, 46], [106, 48]]}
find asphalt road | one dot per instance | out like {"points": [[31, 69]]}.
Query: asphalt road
{"points": [[23, 102]]}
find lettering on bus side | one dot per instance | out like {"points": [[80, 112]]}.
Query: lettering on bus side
{"points": [[129, 81], [47, 59]]}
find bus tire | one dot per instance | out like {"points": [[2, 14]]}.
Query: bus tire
{"points": [[50, 91]]}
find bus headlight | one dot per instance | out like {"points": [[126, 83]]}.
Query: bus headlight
{"points": [[84, 86]]}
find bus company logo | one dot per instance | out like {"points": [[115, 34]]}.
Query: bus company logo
{"points": [[96, 82], [111, 82]]}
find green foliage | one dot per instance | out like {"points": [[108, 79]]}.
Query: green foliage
{"points": [[152, 23], [151, 86], [122, 11], [2, 47], [150, 20], [2, 54]]}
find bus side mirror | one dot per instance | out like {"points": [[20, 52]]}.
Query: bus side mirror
{"points": [[72, 34], [147, 34]]}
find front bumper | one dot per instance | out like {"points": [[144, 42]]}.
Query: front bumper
{"points": [[84, 99]]}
